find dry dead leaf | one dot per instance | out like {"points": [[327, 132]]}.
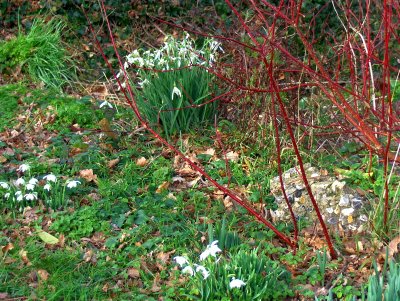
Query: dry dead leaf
{"points": [[3, 159], [24, 256], [394, 247], [162, 187], [232, 156], [43, 274], [228, 202], [133, 273], [155, 287], [4, 296], [105, 288], [88, 175], [7, 247], [106, 128], [186, 171], [142, 161], [209, 151], [89, 256], [112, 163]]}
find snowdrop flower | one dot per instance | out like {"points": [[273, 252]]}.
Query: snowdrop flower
{"points": [[188, 270], [144, 82], [236, 283], [105, 103], [30, 186], [19, 196], [47, 187], [7, 195], [20, 181], [72, 183], [181, 260], [33, 181], [30, 196], [4, 185], [212, 249], [176, 91], [202, 270], [23, 167], [50, 178]]}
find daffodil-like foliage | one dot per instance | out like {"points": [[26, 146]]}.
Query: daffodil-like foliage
{"points": [[173, 86]]}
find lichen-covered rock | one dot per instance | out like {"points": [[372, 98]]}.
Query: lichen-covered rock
{"points": [[339, 204]]}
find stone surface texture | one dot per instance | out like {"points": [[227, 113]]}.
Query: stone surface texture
{"points": [[340, 205]]}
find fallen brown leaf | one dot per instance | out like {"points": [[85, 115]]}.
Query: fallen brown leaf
{"points": [[112, 163], [162, 187], [133, 273], [88, 175], [43, 274], [24, 256], [142, 161], [7, 247], [394, 247]]}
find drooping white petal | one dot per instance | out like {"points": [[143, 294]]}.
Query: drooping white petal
{"points": [[211, 250], [202, 270], [236, 283], [33, 181], [176, 91], [30, 186], [72, 183], [20, 181], [23, 167], [4, 185], [181, 260], [30, 196], [188, 270], [50, 178]]}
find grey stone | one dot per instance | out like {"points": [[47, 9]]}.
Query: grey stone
{"points": [[339, 204]]}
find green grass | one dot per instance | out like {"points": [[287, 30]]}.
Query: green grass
{"points": [[9, 96], [39, 53]]}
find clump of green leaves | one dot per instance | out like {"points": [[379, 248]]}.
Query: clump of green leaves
{"points": [[243, 275], [80, 223], [39, 53], [173, 85]]}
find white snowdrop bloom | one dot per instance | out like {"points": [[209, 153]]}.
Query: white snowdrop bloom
{"points": [[23, 167], [7, 195], [30, 187], [176, 91], [157, 55], [4, 185], [236, 283], [30, 196], [212, 249], [181, 260], [188, 270], [33, 181], [144, 82], [72, 183], [106, 103], [19, 182], [50, 178], [202, 270], [47, 187]]}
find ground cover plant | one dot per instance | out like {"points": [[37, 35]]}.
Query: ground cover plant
{"points": [[97, 205]]}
